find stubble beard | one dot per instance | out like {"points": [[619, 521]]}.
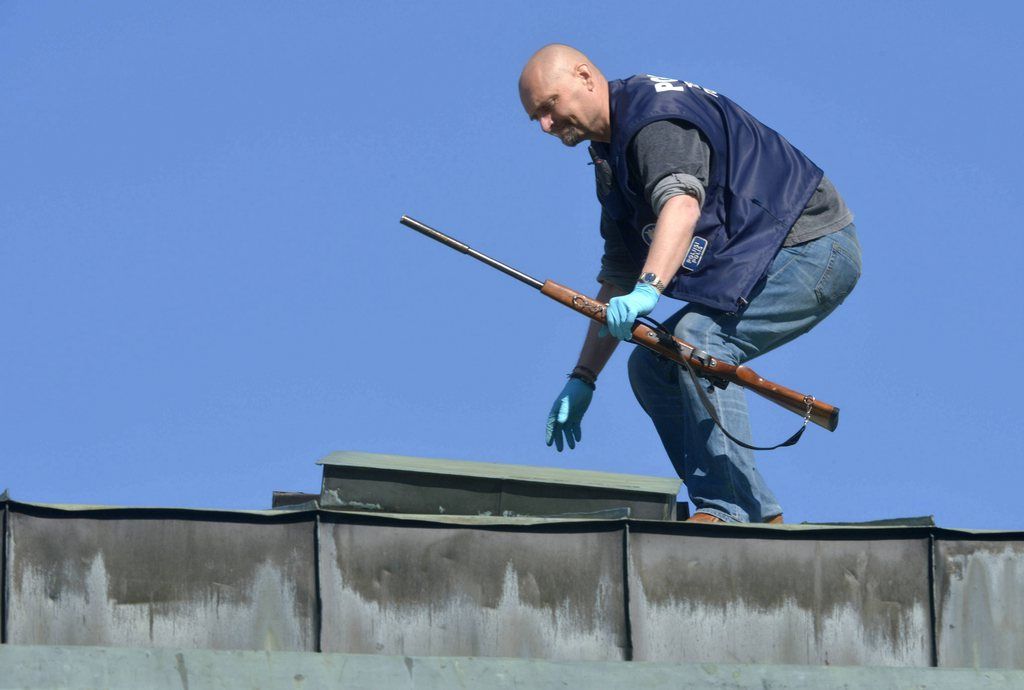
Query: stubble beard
{"points": [[570, 135]]}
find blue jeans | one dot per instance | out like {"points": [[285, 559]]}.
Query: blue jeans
{"points": [[803, 285]]}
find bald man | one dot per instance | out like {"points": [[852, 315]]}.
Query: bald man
{"points": [[701, 203]]}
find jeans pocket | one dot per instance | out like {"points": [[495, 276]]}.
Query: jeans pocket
{"points": [[784, 259], [841, 274]]}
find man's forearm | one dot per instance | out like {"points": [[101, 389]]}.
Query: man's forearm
{"points": [[672, 236], [596, 350]]}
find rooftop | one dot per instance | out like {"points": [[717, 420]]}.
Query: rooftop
{"points": [[563, 584]]}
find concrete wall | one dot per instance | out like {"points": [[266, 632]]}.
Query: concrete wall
{"points": [[178, 669], [532, 588]]}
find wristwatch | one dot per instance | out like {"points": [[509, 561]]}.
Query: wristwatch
{"points": [[652, 280]]}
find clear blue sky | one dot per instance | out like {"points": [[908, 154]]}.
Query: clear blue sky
{"points": [[204, 287]]}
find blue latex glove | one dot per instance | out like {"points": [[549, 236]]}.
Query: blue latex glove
{"points": [[623, 311], [567, 412]]}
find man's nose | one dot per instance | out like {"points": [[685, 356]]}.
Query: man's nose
{"points": [[546, 123]]}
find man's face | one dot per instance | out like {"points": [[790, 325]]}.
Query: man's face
{"points": [[559, 104]]}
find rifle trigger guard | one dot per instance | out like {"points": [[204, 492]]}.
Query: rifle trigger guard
{"points": [[718, 383], [702, 357]]}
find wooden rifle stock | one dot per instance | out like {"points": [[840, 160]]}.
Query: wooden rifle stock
{"points": [[822, 414]]}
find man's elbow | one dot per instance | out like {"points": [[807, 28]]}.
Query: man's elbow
{"points": [[682, 204]]}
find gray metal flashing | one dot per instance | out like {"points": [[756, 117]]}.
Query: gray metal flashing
{"points": [[979, 602], [118, 579], [430, 589], [490, 470], [709, 598], [494, 586], [77, 668]]}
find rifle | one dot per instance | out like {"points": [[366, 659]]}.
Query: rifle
{"points": [[657, 339]]}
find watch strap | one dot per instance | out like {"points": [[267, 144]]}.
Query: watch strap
{"points": [[652, 280]]}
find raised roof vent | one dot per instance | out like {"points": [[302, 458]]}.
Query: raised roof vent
{"points": [[375, 482]]}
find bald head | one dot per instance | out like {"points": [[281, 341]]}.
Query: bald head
{"points": [[552, 62], [566, 93]]}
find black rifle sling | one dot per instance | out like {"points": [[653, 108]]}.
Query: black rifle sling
{"points": [[709, 406]]}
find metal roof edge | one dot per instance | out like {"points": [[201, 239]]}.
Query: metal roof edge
{"points": [[491, 470], [471, 520], [30, 506], [990, 534], [752, 530]]}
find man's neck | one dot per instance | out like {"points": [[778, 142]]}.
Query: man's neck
{"points": [[603, 131]]}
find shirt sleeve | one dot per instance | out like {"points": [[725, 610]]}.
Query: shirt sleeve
{"points": [[667, 158], [617, 265]]}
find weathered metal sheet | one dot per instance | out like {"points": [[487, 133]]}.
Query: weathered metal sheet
{"points": [[782, 599], [145, 579], [433, 590], [174, 669], [980, 603]]}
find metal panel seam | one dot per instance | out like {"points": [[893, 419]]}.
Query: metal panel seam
{"points": [[933, 617], [628, 627], [3, 577], [317, 585]]}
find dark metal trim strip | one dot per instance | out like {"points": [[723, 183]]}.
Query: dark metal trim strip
{"points": [[628, 650], [201, 514], [4, 585], [318, 624], [932, 601]]}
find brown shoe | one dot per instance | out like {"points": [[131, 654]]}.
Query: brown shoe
{"points": [[777, 520], [704, 517]]}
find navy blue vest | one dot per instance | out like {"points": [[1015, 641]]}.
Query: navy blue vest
{"points": [[758, 186]]}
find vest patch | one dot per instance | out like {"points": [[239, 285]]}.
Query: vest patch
{"points": [[648, 233], [695, 253]]}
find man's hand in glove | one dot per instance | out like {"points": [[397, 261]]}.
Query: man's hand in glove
{"points": [[623, 311], [567, 412]]}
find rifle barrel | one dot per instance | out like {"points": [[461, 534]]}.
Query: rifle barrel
{"points": [[466, 249]]}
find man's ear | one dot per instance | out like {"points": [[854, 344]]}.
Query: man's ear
{"points": [[584, 72]]}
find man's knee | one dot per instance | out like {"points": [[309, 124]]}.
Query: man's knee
{"points": [[641, 361], [696, 329], [706, 333], [649, 374]]}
